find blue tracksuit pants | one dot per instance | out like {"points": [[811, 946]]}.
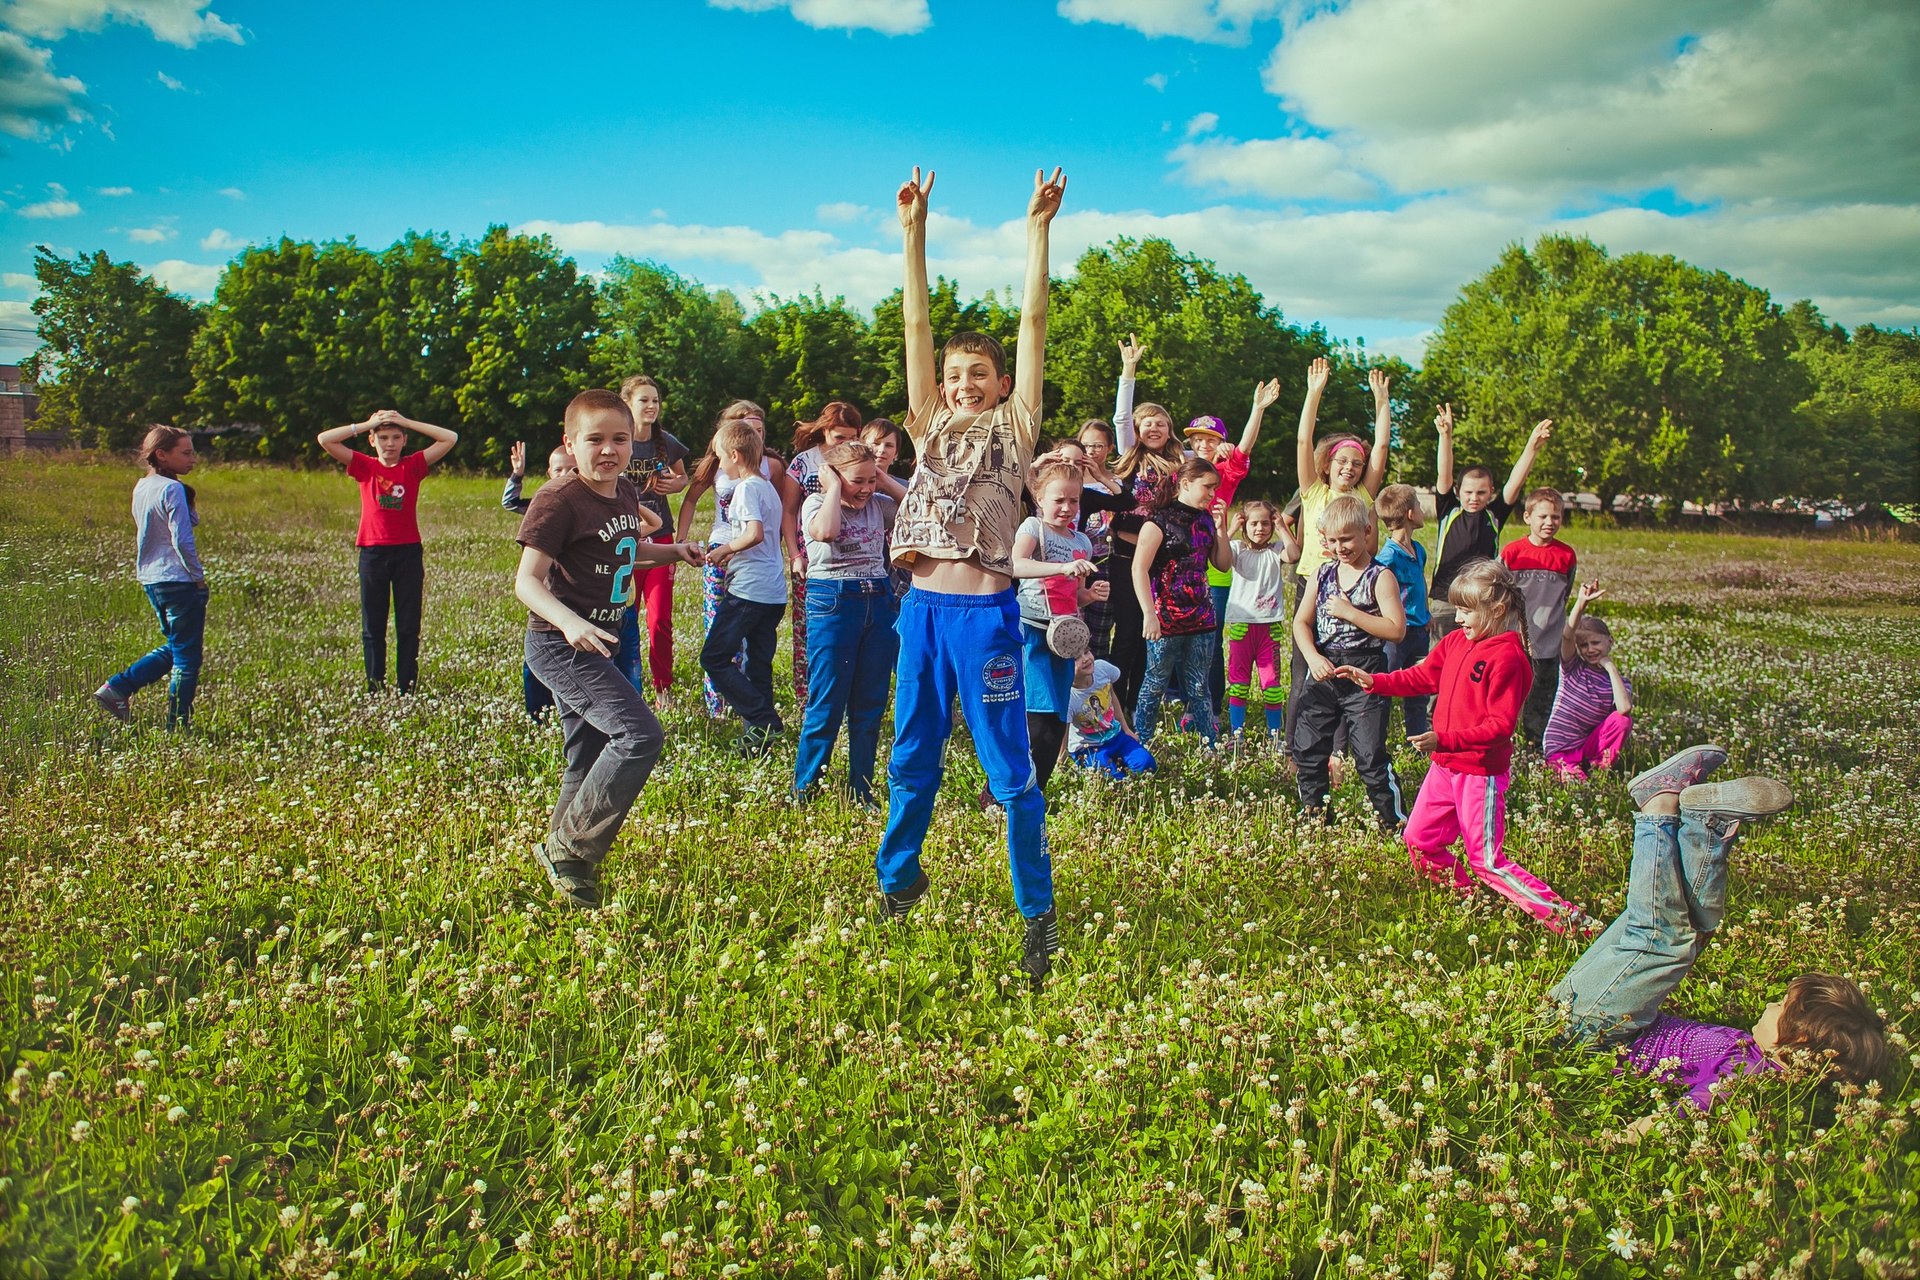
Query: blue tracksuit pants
{"points": [[965, 647]]}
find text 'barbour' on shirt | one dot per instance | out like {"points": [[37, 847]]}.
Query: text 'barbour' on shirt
{"points": [[595, 546]]}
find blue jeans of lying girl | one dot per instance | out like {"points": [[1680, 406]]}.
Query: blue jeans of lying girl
{"points": [[182, 609], [851, 646], [1676, 897], [1182, 663]]}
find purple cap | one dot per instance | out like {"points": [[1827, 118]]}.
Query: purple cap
{"points": [[1207, 424]]}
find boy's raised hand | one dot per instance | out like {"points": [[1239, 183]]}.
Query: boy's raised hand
{"points": [[1542, 432], [517, 458], [1443, 422], [1266, 393], [1047, 194], [1381, 384], [1131, 349], [913, 199], [1319, 373]]}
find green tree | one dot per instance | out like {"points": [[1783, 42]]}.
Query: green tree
{"points": [[1210, 336], [691, 340], [527, 321], [1860, 441], [812, 349], [1663, 378], [113, 356]]}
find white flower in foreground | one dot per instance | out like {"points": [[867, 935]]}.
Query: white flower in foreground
{"points": [[80, 1131], [176, 1114], [290, 1215], [1620, 1240], [130, 1204]]}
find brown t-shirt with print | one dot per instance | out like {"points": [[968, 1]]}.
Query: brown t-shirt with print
{"points": [[969, 472], [595, 544]]}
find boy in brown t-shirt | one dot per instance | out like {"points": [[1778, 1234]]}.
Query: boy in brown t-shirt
{"points": [[974, 431], [582, 541]]}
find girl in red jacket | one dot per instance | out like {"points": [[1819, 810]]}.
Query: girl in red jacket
{"points": [[1482, 674]]}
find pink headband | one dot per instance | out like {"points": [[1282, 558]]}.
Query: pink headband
{"points": [[1338, 445]]}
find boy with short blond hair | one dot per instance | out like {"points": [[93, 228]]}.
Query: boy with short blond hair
{"points": [[756, 590], [974, 429], [1543, 566]]}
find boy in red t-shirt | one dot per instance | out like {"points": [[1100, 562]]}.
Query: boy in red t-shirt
{"points": [[389, 536]]}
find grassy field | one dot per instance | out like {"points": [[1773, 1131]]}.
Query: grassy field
{"points": [[286, 996]]}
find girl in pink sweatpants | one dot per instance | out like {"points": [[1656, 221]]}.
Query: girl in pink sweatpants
{"points": [[1481, 674]]}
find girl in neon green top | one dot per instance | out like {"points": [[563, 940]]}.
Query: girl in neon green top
{"points": [[1341, 466]]}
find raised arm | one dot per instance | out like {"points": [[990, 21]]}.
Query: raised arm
{"points": [[334, 440], [1382, 430], [1317, 374], [1124, 436], [1264, 394], [1589, 592], [824, 524], [915, 313], [1029, 380], [1517, 479], [443, 439], [1443, 450]]}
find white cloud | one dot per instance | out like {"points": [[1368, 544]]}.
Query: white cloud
{"points": [[1205, 122], [33, 100], [1156, 82], [18, 280], [195, 279], [888, 17], [151, 235], [57, 205], [178, 22], [113, 191], [841, 211], [233, 193], [18, 325], [220, 240], [1289, 168], [170, 82], [1717, 99], [1215, 21]]}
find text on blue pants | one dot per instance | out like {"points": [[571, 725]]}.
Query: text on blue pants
{"points": [[965, 647]]}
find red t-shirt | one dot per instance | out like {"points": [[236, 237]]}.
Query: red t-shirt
{"points": [[388, 496]]}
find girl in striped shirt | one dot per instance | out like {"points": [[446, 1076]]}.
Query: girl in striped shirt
{"points": [[1591, 717]]}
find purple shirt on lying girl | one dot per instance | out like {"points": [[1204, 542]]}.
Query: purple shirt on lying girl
{"points": [[1701, 1053]]}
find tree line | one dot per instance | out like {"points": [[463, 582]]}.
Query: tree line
{"points": [[1664, 378]]}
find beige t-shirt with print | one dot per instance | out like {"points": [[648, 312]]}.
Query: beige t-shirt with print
{"points": [[969, 473]]}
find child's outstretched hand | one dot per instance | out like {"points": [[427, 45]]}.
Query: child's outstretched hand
{"points": [[1047, 194], [1381, 384], [1443, 422], [1362, 678], [1265, 393], [912, 199], [1076, 569], [1542, 432], [690, 553], [1131, 349], [1319, 373], [1591, 591], [517, 458], [1427, 743]]}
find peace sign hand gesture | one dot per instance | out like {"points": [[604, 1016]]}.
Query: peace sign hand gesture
{"points": [[1047, 194], [912, 199]]}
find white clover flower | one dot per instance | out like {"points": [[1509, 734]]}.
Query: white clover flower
{"points": [[129, 1204], [175, 1114], [80, 1131], [289, 1215], [461, 1035], [358, 1209]]}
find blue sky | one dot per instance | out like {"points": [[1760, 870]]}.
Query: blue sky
{"points": [[1358, 161]]}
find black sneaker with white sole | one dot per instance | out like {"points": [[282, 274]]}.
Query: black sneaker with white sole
{"points": [[1041, 941], [898, 906], [577, 882]]}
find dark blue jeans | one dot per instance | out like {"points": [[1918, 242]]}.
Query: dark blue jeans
{"points": [[851, 647], [749, 692], [182, 607], [1405, 653], [612, 742], [397, 573]]}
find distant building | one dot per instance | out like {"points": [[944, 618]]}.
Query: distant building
{"points": [[19, 405]]}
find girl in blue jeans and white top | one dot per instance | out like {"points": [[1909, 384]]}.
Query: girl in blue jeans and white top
{"points": [[170, 571], [1683, 837], [850, 610], [1170, 563]]}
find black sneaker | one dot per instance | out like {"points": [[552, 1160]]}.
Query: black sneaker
{"points": [[575, 881], [758, 740], [897, 906], [1042, 940]]}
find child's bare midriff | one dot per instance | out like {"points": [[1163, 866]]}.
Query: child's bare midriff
{"points": [[957, 577]]}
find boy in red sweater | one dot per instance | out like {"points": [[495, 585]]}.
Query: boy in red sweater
{"points": [[1482, 673]]}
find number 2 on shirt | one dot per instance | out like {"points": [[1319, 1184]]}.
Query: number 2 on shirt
{"points": [[623, 576]]}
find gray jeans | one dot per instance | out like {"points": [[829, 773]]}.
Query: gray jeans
{"points": [[1676, 896], [612, 742]]}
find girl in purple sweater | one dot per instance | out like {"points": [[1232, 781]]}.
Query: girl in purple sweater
{"points": [[1676, 896]]}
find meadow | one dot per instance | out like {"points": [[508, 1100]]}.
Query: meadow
{"points": [[287, 996]]}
